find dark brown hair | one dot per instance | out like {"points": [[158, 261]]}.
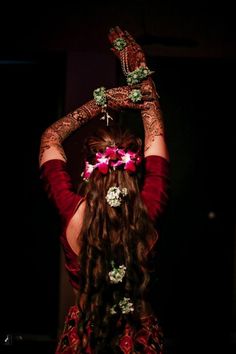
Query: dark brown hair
{"points": [[121, 235]]}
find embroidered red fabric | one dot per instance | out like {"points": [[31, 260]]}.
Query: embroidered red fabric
{"points": [[147, 340]]}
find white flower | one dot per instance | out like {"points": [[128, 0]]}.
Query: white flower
{"points": [[126, 306], [112, 310], [114, 196], [117, 274], [124, 191], [126, 158]]}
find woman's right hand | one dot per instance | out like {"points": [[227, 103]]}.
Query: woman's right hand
{"points": [[131, 56], [119, 97]]}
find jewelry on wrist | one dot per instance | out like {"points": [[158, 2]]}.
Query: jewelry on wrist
{"points": [[135, 95], [136, 76], [100, 96]]}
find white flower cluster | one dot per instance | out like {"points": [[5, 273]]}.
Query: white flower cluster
{"points": [[117, 274], [125, 305], [114, 196]]}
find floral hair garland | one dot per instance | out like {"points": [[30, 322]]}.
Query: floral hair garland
{"points": [[116, 276], [113, 158], [115, 196]]}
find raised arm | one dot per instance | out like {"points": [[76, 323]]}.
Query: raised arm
{"points": [[134, 67], [153, 123], [54, 136]]}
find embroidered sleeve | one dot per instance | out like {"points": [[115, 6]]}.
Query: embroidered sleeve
{"points": [[156, 185]]}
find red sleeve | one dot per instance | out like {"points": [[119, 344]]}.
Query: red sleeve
{"points": [[58, 185], [156, 184]]}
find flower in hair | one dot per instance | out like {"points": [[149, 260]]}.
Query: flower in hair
{"points": [[116, 275], [113, 158], [119, 43], [129, 159], [126, 305], [102, 162], [87, 171], [115, 195], [113, 310]]}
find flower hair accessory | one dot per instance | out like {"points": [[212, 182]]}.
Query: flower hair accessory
{"points": [[116, 275], [125, 305], [111, 159], [114, 197]]}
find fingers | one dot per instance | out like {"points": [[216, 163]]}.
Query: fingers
{"points": [[138, 106], [115, 33], [129, 37], [127, 105], [119, 31]]}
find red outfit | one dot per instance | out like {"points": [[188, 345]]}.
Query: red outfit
{"points": [[60, 190]]}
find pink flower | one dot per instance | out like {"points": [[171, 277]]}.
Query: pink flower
{"points": [[87, 170], [138, 160], [103, 163], [111, 152], [130, 166]]}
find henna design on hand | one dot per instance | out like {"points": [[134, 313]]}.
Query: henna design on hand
{"points": [[62, 128], [132, 56], [118, 98], [152, 122]]}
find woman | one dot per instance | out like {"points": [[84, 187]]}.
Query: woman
{"points": [[109, 230]]}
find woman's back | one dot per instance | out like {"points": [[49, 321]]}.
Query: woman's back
{"points": [[109, 226]]}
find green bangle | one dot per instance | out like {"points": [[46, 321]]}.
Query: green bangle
{"points": [[135, 95], [136, 76], [119, 44], [100, 96]]}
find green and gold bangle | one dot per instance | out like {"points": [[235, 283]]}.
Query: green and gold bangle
{"points": [[100, 96], [136, 76]]}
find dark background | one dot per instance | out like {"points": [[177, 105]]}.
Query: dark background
{"points": [[51, 58]]}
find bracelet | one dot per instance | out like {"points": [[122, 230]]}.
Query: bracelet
{"points": [[100, 96], [136, 76], [135, 95]]}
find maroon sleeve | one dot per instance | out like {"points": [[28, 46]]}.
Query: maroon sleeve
{"points": [[58, 185], [156, 185]]}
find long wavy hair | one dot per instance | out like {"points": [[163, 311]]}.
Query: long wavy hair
{"points": [[122, 235]]}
